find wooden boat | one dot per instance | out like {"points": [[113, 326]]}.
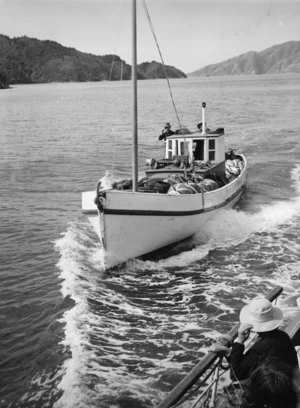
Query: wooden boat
{"points": [[203, 385], [133, 222]]}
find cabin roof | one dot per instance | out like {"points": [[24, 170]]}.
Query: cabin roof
{"points": [[195, 135]]}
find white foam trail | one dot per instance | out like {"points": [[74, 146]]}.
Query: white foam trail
{"points": [[231, 227], [75, 249], [71, 382], [80, 268], [295, 175], [179, 260]]}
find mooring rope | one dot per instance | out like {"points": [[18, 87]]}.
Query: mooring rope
{"points": [[162, 60]]}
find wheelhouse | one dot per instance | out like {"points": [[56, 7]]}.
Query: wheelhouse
{"points": [[207, 147], [201, 151]]}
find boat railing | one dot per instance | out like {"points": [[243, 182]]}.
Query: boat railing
{"points": [[204, 392], [200, 385]]}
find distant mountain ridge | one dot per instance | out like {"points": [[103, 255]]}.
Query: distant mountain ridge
{"points": [[25, 60], [281, 58]]}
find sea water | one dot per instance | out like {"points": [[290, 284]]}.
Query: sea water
{"points": [[73, 335]]}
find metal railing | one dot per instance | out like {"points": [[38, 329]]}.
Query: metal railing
{"points": [[211, 368]]}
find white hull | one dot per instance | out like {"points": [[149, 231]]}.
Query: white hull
{"points": [[133, 224]]}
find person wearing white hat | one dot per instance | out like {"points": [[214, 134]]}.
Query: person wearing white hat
{"points": [[273, 345]]}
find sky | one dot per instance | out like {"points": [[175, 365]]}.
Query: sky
{"points": [[191, 33]]}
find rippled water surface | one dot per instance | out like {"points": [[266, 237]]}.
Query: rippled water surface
{"points": [[75, 336]]}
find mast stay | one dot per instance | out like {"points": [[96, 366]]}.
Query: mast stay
{"points": [[134, 103], [134, 91], [161, 58], [165, 71]]}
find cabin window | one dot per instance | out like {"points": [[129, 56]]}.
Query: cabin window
{"points": [[184, 148], [181, 150], [169, 149], [199, 149], [211, 150], [176, 147]]}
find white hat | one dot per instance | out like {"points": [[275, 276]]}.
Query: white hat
{"points": [[262, 315]]}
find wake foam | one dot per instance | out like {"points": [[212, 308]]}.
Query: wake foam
{"points": [[96, 329], [295, 176], [230, 227], [133, 329], [76, 250]]}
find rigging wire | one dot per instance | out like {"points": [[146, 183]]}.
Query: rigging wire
{"points": [[117, 42], [114, 139], [162, 60], [166, 75], [111, 67]]}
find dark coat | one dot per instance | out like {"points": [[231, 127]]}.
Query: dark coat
{"points": [[165, 133], [274, 346]]}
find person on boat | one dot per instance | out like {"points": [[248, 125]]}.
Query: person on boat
{"points": [[166, 132], [270, 386], [273, 345], [199, 126]]}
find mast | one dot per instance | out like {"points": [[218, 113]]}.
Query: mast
{"points": [[134, 106], [203, 118]]}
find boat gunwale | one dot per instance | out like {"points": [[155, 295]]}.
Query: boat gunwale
{"points": [[175, 197]]}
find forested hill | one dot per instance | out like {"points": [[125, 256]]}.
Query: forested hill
{"points": [[282, 58], [27, 60], [156, 70], [3, 81]]}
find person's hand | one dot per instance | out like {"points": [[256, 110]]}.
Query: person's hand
{"points": [[243, 332]]}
